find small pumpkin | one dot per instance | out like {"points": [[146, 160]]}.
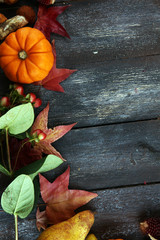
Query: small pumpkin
{"points": [[26, 55]]}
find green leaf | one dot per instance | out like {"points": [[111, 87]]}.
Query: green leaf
{"points": [[4, 170], [36, 191], [20, 136], [18, 198], [18, 119], [39, 166]]}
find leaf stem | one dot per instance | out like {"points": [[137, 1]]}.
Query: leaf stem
{"points": [[16, 226], [18, 154], [8, 151], [2, 155]]}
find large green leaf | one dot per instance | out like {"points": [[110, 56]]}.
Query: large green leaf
{"points": [[18, 119], [42, 165], [4, 170], [18, 198]]}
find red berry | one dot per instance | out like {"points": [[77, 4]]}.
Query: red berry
{"points": [[19, 89], [31, 97], [5, 102], [37, 102], [36, 132], [151, 227], [39, 135]]}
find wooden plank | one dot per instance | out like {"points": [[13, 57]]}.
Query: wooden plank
{"points": [[102, 30], [108, 92], [103, 92], [118, 213], [111, 156], [105, 30]]}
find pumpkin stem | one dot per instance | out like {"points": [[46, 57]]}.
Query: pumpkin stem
{"points": [[22, 54]]}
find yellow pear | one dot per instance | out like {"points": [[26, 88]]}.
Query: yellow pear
{"points": [[75, 228], [91, 237]]}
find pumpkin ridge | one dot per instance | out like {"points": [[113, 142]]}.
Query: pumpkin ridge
{"points": [[30, 49], [17, 71], [10, 46], [18, 40], [39, 52], [9, 53], [8, 62], [35, 64], [27, 69]]}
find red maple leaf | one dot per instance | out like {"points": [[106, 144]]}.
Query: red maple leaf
{"points": [[52, 134], [47, 23], [55, 76], [22, 153], [60, 201]]}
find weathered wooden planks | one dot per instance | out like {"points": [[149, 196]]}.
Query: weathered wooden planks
{"points": [[118, 213], [115, 47], [111, 156], [108, 92], [103, 91], [105, 30]]}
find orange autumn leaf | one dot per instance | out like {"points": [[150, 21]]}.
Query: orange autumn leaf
{"points": [[61, 202], [52, 135]]}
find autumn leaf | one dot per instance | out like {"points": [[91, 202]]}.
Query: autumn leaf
{"points": [[42, 221], [52, 135], [55, 76], [60, 201], [47, 23], [22, 153]]}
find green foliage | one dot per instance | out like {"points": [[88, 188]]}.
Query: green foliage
{"points": [[4, 170], [18, 119], [18, 198], [43, 165]]}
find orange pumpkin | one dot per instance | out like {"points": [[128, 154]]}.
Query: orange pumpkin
{"points": [[26, 55]]}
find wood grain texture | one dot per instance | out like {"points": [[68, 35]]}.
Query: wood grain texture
{"points": [[108, 92], [106, 30], [115, 47], [111, 156], [104, 91], [118, 213]]}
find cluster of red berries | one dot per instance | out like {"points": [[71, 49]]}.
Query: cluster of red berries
{"points": [[17, 96]]}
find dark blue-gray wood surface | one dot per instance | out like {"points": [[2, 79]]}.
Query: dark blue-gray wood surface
{"points": [[115, 99]]}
